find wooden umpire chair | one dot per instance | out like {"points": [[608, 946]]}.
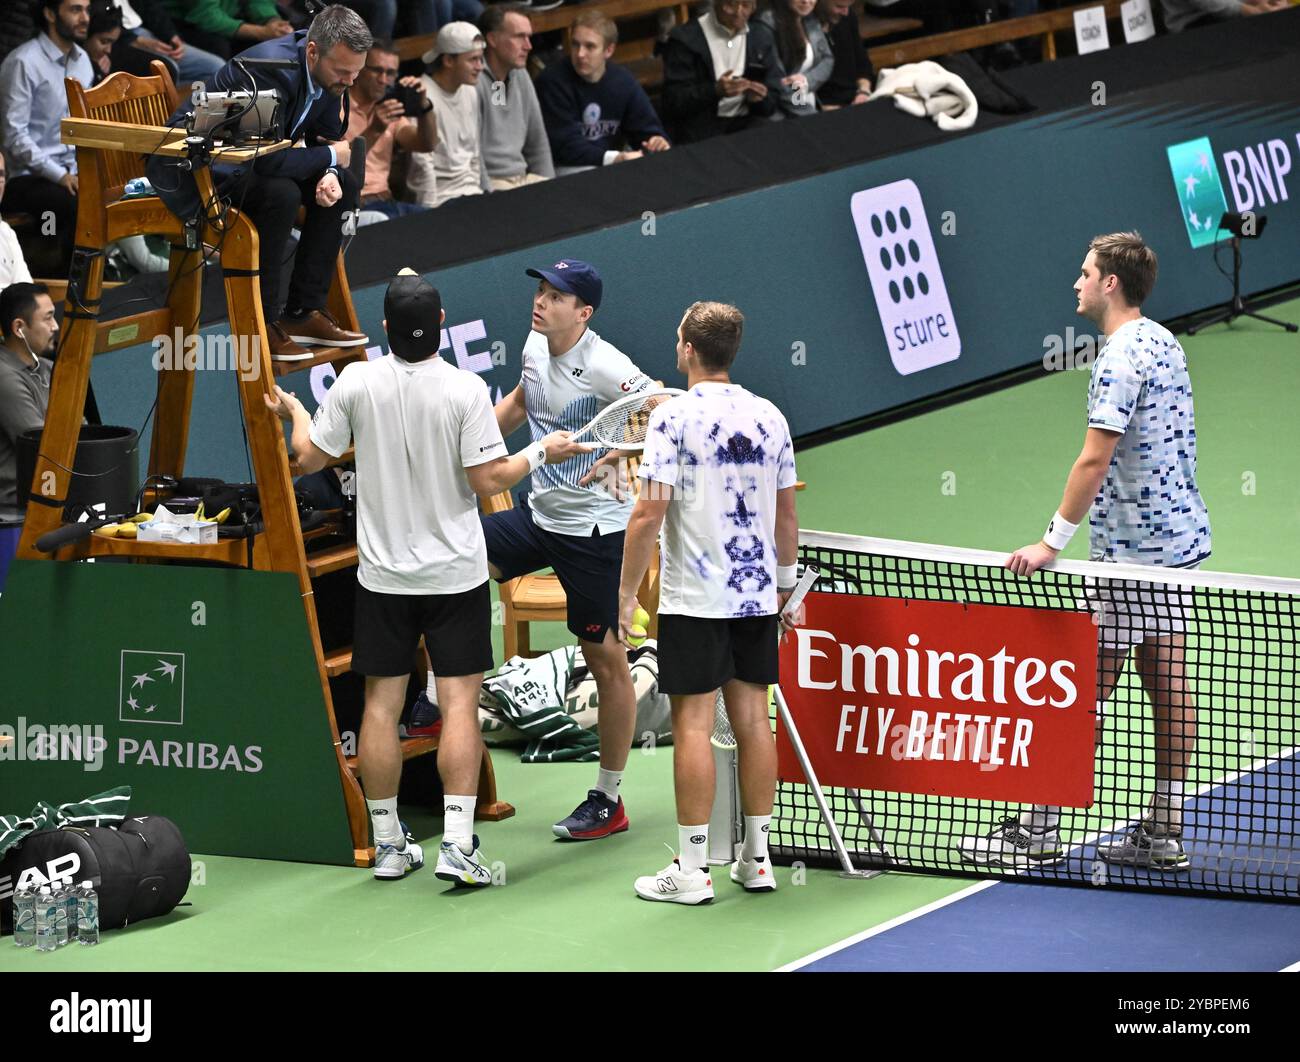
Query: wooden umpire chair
{"points": [[114, 126]]}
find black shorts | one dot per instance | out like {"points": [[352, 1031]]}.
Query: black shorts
{"points": [[700, 655], [588, 567], [457, 631]]}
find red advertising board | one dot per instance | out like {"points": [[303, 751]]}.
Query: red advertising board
{"points": [[936, 697]]}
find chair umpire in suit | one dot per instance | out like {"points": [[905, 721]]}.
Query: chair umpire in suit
{"points": [[327, 58]]}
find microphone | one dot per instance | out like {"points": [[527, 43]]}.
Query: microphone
{"points": [[52, 541]]}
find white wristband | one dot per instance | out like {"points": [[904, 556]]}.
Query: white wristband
{"points": [[1059, 532], [536, 455], [787, 575]]}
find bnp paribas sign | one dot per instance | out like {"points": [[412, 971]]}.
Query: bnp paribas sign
{"points": [[1256, 175]]}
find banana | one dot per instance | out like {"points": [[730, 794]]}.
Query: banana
{"points": [[224, 515], [108, 530], [140, 518], [127, 530], [199, 514]]}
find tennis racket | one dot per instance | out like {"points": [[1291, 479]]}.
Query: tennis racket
{"points": [[623, 425], [801, 588]]}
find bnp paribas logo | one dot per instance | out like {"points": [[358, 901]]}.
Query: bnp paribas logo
{"points": [[152, 687], [1200, 193]]}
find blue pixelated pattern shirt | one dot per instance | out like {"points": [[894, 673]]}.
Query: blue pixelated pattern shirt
{"points": [[726, 453], [1148, 510]]}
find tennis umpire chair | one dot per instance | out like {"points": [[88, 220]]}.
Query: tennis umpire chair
{"points": [[114, 126]]}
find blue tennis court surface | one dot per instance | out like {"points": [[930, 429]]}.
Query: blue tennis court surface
{"points": [[1011, 926]]}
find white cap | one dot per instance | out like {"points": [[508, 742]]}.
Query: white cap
{"points": [[455, 38], [45, 890], [87, 885]]}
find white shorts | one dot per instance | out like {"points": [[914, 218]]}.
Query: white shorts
{"points": [[1127, 612]]}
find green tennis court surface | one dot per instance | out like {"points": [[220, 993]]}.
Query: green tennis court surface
{"points": [[984, 473]]}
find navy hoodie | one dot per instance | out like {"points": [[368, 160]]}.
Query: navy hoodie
{"points": [[584, 120]]}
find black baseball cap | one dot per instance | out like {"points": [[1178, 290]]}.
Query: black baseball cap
{"points": [[413, 308], [574, 276]]}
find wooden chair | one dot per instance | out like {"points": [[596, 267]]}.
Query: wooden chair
{"points": [[539, 598]]}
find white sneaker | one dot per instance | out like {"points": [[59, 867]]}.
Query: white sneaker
{"points": [[392, 862], [675, 885], [755, 874], [462, 869], [1012, 844]]}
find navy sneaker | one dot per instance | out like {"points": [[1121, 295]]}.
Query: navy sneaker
{"points": [[425, 719], [597, 816]]}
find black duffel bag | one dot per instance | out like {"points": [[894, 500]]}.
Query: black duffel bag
{"points": [[140, 870]]}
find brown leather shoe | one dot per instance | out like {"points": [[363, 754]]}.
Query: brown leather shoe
{"points": [[319, 329], [283, 348]]}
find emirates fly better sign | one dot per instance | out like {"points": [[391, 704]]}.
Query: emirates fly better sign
{"points": [[941, 698]]}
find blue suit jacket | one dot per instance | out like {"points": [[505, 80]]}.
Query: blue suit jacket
{"points": [[326, 120]]}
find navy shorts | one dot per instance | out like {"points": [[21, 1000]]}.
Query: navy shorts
{"points": [[589, 568]]}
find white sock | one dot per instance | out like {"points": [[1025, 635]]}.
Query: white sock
{"points": [[608, 782], [458, 820], [1041, 818], [693, 845], [383, 818], [755, 844], [1170, 792], [431, 688]]}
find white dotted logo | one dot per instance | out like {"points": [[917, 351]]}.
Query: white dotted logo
{"points": [[911, 297]]}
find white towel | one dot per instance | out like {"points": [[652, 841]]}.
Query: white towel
{"points": [[929, 90]]}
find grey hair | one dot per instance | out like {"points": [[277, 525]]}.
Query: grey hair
{"points": [[338, 23]]}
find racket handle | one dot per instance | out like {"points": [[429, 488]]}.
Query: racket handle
{"points": [[810, 576]]}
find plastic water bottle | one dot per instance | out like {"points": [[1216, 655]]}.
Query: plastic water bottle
{"points": [[47, 921], [25, 917], [60, 892], [87, 914], [71, 901]]}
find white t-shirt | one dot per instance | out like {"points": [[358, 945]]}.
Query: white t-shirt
{"points": [[455, 167], [13, 267], [726, 453], [562, 394], [417, 427], [727, 50]]}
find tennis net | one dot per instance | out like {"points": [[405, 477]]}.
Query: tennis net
{"points": [[952, 706]]}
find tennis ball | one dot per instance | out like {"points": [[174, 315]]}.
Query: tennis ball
{"points": [[636, 635], [641, 618]]}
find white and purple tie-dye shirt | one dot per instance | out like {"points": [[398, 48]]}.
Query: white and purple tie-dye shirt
{"points": [[1148, 510], [726, 453]]}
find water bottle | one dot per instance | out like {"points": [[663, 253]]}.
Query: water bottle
{"points": [[71, 901], [25, 917], [87, 915], [47, 920], [60, 900]]}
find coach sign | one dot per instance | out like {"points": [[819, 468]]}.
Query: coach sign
{"points": [[979, 701]]}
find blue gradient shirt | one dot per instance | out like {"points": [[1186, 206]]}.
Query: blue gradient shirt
{"points": [[725, 452], [1148, 510]]}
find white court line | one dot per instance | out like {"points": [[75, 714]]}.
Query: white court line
{"points": [[893, 923], [884, 927], [1293, 968]]}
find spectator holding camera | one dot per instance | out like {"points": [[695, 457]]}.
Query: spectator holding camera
{"points": [[596, 112], [389, 113]]}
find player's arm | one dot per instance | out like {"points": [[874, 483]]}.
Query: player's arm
{"points": [[502, 473], [787, 554], [511, 412], [638, 547], [1080, 489], [310, 457]]}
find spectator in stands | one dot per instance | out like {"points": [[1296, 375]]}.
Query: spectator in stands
{"points": [[379, 119], [721, 73], [515, 148], [851, 74], [13, 266], [30, 335], [804, 51], [33, 101], [1188, 14], [148, 33], [592, 107], [102, 34], [455, 167], [226, 27]]}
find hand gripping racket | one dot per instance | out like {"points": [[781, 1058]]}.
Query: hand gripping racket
{"points": [[623, 425]]}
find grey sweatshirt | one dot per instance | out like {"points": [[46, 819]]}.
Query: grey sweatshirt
{"points": [[514, 138]]}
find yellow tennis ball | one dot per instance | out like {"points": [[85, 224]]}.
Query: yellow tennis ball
{"points": [[636, 634], [641, 618]]}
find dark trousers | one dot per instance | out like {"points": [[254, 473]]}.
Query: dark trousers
{"points": [[273, 203], [35, 196]]}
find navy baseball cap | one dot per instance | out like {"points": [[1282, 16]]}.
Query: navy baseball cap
{"points": [[413, 309], [574, 276]]}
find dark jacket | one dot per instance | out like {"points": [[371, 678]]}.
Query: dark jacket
{"points": [[851, 61], [690, 87], [583, 120], [156, 18]]}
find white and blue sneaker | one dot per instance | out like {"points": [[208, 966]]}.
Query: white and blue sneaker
{"points": [[394, 861], [674, 884], [461, 868], [754, 874], [1013, 844]]}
